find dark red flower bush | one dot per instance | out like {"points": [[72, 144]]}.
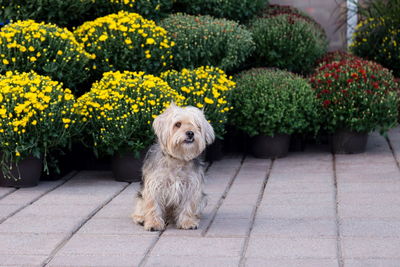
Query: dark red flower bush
{"points": [[356, 95], [336, 56]]}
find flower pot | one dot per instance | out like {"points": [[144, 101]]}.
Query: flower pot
{"points": [[214, 151], [297, 143], [127, 168], [348, 142], [270, 147], [25, 174]]}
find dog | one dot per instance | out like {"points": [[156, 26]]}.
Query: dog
{"points": [[173, 172]]}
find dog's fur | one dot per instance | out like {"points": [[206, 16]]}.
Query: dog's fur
{"points": [[172, 182]]}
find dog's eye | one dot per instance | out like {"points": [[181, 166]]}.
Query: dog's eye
{"points": [[178, 124]]}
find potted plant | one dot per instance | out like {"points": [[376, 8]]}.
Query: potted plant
{"points": [[36, 117], [207, 88], [355, 97], [270, 105], [46, 49], [118, 112], [126, 41]]}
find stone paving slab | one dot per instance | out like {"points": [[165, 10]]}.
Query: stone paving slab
{"points": [[308, 209]]}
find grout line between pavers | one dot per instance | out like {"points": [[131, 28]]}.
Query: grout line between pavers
{"points": [[222, 198], [91, 215], [339, 249], [147, 254], [254, 214], [9, 193], [393, 151], [66, 178]]}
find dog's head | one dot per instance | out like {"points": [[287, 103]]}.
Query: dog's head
{"points": [[183, 133]]}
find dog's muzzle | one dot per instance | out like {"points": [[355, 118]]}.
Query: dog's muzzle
{"points": [[189, 137]]}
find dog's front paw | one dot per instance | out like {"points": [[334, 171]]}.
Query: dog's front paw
{"points": [[188, 224], [138, 219], [154, 226]]}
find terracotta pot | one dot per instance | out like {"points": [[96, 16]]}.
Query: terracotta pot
{"points": [[270, 147], [127, 168], [214, 151], [349, 142], [26, 174]]}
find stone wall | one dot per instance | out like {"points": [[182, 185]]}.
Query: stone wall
{"points": [[329, 13]]}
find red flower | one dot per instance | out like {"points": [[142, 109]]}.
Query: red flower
{"points": [[350, 80], [326, 103], [326, 75], [325, 91], [375, 85]]}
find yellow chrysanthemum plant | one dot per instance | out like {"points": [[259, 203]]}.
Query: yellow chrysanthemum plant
{"points": [[151, 9], [119, 109], [126, 41], [45, 48], [36, 117], [207, 88]]}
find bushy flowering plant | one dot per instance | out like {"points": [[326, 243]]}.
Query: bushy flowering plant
{"points": [[126, 41], [287, 42], [119, 109], [237, 10], [207, 88], [355, 95], [378, 39], [204, 40], [271, 101], [44, 48], [36, 117], [150, 9], [336, 56]]}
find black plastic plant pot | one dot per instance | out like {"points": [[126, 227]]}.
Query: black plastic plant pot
{"points": [[214, 151], [349, 142], [26, 174], [267, 147], [127, 168]]}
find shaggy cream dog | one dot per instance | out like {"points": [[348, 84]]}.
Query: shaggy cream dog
{"points": [[172, 182]]}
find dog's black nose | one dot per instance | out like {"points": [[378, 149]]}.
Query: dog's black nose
{"points": [[190, 134]]}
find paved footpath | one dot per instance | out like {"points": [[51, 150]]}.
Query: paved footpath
{"points": [[308, 209]]}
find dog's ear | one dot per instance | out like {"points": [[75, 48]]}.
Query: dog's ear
{"points": [[208, 131], [159, 123]]}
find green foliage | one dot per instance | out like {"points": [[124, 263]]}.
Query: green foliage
{"points": [[238, 10], [287, 42], [270, 102], [356, 95], [203, 41], [61, 12], [46, 49], [126, 41]]}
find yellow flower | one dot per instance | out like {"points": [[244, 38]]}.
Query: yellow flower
{"points": [[32, 59], [199, 105], [17, 154], [59, 52], [6, 62], [150, 41], [208, 100]]}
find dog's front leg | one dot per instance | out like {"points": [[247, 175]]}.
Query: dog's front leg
{"points": [[154, 213], [187, 217]]}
